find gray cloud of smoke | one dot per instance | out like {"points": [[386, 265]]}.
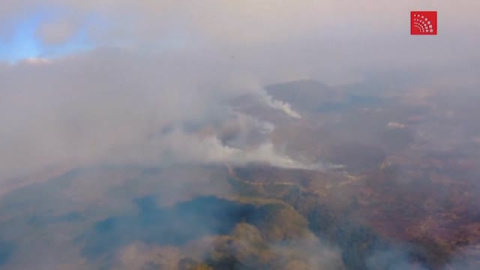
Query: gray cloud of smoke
{"points": [[116, 107]]}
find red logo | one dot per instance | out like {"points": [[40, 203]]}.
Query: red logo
{"points": [[423, 23]]}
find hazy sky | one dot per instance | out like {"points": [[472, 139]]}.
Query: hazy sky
{"points": [[84, 81], [32, 28]]}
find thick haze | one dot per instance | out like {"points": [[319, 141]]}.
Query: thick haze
{"points": [[110, 111], [102, 82]]}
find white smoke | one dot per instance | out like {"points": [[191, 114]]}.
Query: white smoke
{"points": [[280, 105]]}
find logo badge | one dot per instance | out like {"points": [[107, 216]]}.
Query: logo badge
{"points": [[423, 23]]}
